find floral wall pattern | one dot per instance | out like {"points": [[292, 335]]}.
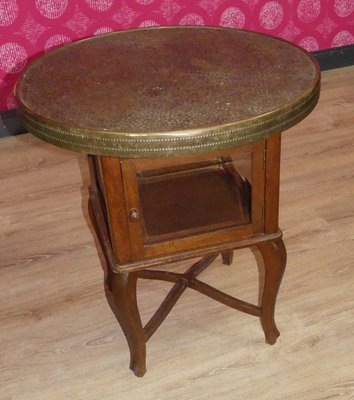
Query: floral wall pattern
{"points": [[28, 28]]}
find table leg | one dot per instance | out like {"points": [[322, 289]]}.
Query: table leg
{"points": [[227, 257], [274, 258], [109, 272], [124, 293]]}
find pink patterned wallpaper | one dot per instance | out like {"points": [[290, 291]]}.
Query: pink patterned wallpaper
{"points": [[30, 27]]}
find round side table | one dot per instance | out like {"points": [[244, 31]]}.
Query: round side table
{"points": [[182, 127]]}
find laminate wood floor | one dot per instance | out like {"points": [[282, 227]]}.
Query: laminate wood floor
{"points": [[60, 340]]}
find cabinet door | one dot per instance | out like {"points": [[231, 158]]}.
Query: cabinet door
{"points": [[183, 204]]}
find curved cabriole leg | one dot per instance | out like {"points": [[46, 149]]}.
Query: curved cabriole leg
{"points": [[109, 275], [124, 293], [274, 258], [109, 278]]}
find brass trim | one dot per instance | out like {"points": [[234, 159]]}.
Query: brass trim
{"points": [[127, 145], [173, 143]]}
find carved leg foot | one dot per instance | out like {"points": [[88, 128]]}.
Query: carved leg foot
{"points": [[274, 258], [227, 257], [124, 293]]}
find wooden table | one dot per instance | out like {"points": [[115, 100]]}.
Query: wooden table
{"points": [[182, 127]]}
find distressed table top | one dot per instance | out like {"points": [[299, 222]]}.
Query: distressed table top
{"points": [[167, 91]]}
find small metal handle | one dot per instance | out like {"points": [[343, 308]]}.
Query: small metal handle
{"points": [[134, 215]]}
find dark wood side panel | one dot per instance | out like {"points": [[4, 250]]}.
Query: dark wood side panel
{"points": [[115, 198], [272, 167]]}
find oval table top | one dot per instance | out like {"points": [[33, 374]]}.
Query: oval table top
{"points": [[167, 91]]}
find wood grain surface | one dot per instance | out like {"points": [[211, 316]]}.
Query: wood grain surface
{"points": [[60, 340]]}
